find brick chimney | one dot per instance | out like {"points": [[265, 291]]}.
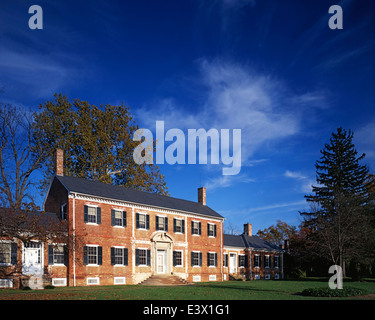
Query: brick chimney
{"points": [[202, 195], [59, 162], [248, 229]]}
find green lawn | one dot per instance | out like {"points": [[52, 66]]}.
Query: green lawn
{"points": [[230, 290]]}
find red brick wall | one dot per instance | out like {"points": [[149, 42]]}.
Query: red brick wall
{"points": [[107, 236]]}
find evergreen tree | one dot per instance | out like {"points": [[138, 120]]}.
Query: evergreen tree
{"points": [[340, 218], [97, 144], [339, 173]]}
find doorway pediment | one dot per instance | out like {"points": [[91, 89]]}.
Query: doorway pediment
{"points": [[161, 236]]}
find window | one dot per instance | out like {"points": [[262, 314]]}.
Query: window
{"points": [[267, 261], [276, 261], [196, 259], [92, 215], [177, 258], [142, 257], [256, 261], [161, 223], [225, 261], [56, 254], [118, 218], [179, 225], [64, 211], [142, 221], [92, 255], [212, 259], [211, 230], [196, 227], [5, 252], [119, 256], [241, 261]]}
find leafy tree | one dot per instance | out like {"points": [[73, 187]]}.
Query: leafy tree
{"points": [[339, 219], [278, 233], [97, 144]]}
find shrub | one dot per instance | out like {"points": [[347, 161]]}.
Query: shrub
{"points": [[327, 292]]}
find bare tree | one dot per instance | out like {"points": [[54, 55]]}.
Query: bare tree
{"points": [[20, 156]]}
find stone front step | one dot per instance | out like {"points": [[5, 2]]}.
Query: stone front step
{"points": [[164, 280]]}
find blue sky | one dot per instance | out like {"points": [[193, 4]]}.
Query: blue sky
{"points": [[273, 69]]}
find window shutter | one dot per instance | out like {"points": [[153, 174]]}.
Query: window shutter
{"points": [[137, 257], [214, 230], [149, 257], [98, 215], [200, 228], [125, 256], [147, 222], [157, 223], [85, 213], [13, 253], [85, 255], [208, 229], [215, 259], [246, 261], [100, 259], [208, 259], [66, 256], [174, 258], [166, 224], [124, 218], [192, 259], [50, 254], [113, 256], [192, 227], [112, 217], [137, 220], [174, 225], [200, 259], [183, 226]]}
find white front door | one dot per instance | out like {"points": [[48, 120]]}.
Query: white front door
{"points": [[161, 263], [32, 259], [232, 263]]}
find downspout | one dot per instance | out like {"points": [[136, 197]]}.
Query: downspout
{"points": [[74, 239], [250, 266], [221, 250]]}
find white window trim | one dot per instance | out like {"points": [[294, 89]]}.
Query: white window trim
{"points": [[212, 224], [269, 261], [278, 261], [241, 255], [257, 255], [92, 264], [119, 265], [8, 242], [179, 232], [96, 214], [195, 234], [144, 214], [119, 210], [182, 258], [197, 266], [142, 265]]}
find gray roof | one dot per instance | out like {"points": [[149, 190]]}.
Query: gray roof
{"points": [[120, 193], [245, 241]]}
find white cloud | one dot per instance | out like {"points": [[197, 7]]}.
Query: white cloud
{"points": [[222, 181], [234, 97], [294, 175]]}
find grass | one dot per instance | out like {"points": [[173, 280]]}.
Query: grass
{"points": [[229, 290]]}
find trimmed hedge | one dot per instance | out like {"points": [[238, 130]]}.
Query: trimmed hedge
{"points": [[327, 292]]}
